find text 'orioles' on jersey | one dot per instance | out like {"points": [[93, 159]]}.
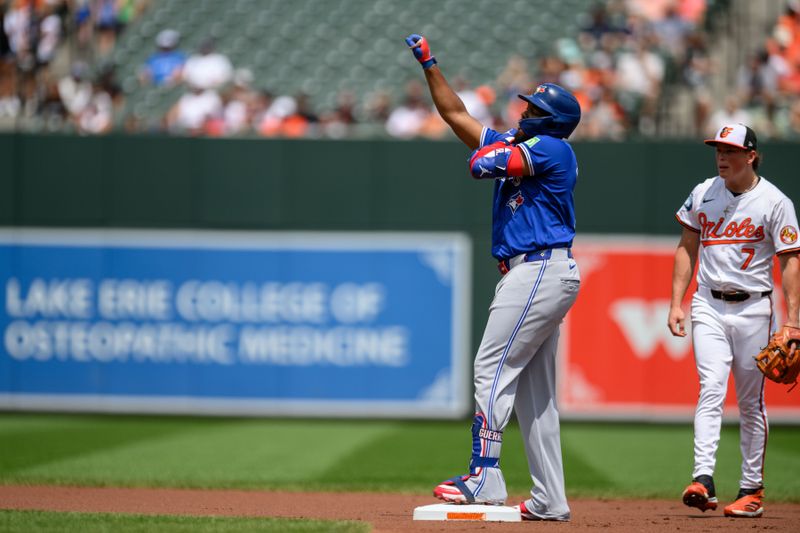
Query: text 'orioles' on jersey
{"points": [[739, 234], [520, 225]]}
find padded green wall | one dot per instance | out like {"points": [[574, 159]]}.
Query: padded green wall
{"points": [[168, 182], [154, 181]]}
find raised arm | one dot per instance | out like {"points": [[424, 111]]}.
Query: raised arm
{"points": [[447, 102]]}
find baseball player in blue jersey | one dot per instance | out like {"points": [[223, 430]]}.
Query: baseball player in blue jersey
{"points": [[534, 172]]}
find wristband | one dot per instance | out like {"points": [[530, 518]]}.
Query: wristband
{"points": [[429, 63]]}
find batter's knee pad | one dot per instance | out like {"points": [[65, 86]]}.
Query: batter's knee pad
{"points": [[486, 444]]}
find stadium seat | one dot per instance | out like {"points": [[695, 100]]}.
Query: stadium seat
{"points": [[325, 46]]}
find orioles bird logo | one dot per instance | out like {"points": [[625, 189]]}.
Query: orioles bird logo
{"points": [[725, 132], [788, 235]]}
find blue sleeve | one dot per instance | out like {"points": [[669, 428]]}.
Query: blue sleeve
{"points": [[544, 154], [489, 136]]}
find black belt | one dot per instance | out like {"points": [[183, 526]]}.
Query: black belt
{"points": [[734, 296], [539, 255]]}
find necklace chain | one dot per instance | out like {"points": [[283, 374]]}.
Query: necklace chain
{"points": [[752, 185]]}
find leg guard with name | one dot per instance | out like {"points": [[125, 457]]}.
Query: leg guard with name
{"points": [[486, 444]]}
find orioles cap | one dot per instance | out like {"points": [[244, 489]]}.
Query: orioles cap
{"points": [[737, 135]]}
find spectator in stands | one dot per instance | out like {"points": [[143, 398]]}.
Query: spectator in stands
{"points": [[51, 108], [18, 23], [9, 103], [75, 90], [164, 66], [672, 32], [615, 63], [82, 13], [789, 25], [90, 106], [574, 75], [261, 104], [434, 127], [338, 122], [472, 101], [601, 22], [376, 110], [788, 122], [277, 109], [769, 84], [97, 117], [378, 107], [604, 120], [127, 10], [257, 104], [193, 111], [406, 120], [693, 11], [303, 122], [599, 71], [596, 56], [514, 79], [107, 81], [785, 48], [49, 37], [106, 14], [730, 113], [639, 75], [34, 31], [757, 83], [239, 103], [110, 18], [550, 69], [207, 69], [696, 72]]}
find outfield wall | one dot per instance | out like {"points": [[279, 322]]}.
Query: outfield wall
{"points": [[158, 183], [167, 182]]}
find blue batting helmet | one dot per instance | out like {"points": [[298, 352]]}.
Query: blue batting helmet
{"points": [[563, 112]]}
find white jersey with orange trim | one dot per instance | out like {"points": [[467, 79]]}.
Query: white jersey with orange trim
{"points": [[739, 234]]}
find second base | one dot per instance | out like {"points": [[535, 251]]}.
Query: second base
{"points": [[450, 511]]}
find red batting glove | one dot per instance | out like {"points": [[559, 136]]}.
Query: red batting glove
{"points": [[421, 50]]}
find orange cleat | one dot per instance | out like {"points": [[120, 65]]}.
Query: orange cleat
{"points": [[748, 505], [697, 495]]}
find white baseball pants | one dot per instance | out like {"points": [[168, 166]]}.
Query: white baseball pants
{"points": [[726, 336]]}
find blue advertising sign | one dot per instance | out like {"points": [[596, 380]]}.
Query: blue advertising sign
{"points": [[241, 323]]}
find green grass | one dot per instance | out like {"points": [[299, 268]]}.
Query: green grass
{"points": [[601, 460], [42, 522]]}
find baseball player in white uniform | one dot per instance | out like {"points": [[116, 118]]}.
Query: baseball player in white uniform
{"points": [[737, 221]]}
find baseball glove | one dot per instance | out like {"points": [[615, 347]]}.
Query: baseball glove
{"points": [[780, 360]]}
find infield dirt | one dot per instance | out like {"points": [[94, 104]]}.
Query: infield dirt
{"points": [[386, 512]]}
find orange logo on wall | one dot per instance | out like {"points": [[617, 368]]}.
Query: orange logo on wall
{"points": [[725, 132], [788, 235]]}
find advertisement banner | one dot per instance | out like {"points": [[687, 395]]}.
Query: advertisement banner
{"points": [[618, 358], [242, 323]]}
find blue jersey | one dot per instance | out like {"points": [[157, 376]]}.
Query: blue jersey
{"points": [[537, 212], [162, 65]]}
